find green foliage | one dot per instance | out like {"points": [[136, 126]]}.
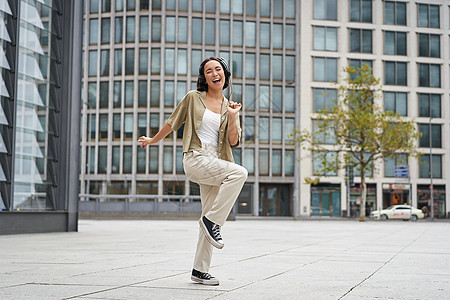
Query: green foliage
{"points": [[361, 131]]}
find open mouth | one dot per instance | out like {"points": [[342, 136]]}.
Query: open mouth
{"points": [[216, 80]]}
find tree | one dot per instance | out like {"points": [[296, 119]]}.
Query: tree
{"points": [[356, 132]]}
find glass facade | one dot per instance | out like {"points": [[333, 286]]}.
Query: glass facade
{"points": [[35, 121]]}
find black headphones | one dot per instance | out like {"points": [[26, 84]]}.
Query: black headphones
{"points": [[226, 70]]}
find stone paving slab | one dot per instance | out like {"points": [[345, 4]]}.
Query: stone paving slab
{"points": [[262, 259]]}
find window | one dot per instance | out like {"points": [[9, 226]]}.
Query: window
{"points": [[170, 61], [264, 97], [325, 10], [395, 73], [156, 61], [92, 70], [289, 125], [357, 63], [265, 35], [249, 160], [115, 165], [249, 97], [102, 159], [290, 37], [170, 29], [237, 33], [250, 34], [117, 119], [277, 99], [93, 31], [143, 61], [153, 161], [264, 64], [143, 29], [396, 102], [264, 130], [277, 130], [263, 161], [322, 134], [142, 93], [265, 8], [429, 45], [394, 13], [250, 9], [276, 162], [128, 127], [197, 5], [196, 30], [104, 63], [104, 94], [361, 40], [429, 75], [289, 99], [156, 29], [142, 124], [289, 162], [277, 42], [325, 38], [131, 22], [117, 94], [210, 38], [129, 94], [224, 32], [290, 9], [106, 24], [424, 166], [428, 16], [249, 129], [325, 69], [103, 127], [324, 99], [324, 163], [168, 159], [430, 105], [129, 61], [118, 62], [436, 134], [361, 11], [127, 159], [118, 30], [182, 30], [394, 43], [395, 161]]}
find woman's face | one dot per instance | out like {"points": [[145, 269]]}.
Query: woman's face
{"points": [[214, 75]]}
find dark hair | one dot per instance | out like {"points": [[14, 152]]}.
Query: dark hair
{"points": [[201, 81]]}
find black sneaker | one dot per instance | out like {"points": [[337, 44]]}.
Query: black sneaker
{"points": [[212, 232], [203, 278]]}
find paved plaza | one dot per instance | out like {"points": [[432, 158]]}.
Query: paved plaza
{"points": [[262, 259]]}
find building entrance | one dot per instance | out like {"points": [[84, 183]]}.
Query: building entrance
{"points": [[326, 200], [275, 200], [395, 194]]}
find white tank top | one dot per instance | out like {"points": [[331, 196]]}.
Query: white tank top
{"points": [[209, 130]]}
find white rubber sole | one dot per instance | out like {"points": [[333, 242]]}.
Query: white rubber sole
{"points": [[204, 281], [208, 237]]}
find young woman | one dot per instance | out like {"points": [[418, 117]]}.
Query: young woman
{"points": [[211, 129]]}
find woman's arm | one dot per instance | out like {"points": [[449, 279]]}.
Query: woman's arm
{"points": [[233, 134], [162, 133]]}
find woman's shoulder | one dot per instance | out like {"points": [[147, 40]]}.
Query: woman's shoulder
{"points": [[194, 94]]}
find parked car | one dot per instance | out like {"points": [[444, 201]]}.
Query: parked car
{"points": [[402, 212]]}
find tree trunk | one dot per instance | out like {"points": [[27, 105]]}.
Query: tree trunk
{"points": [[362, 213]]}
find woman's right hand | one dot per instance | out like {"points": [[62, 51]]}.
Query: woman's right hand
{"points": [[146, 141]]}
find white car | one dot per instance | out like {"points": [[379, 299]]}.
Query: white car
{"points": [[403, 212]]}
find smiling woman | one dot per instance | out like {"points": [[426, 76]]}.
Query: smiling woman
{"points": [[211, 129]]}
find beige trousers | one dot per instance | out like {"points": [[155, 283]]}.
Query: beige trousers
{"points": [[220, 183]]}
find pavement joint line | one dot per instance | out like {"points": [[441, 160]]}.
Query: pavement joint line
{"points": [[310, 263], [382, 266], [124, 286]]}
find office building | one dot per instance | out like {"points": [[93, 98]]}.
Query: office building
{"points": [[142, 56], [40, 84]]}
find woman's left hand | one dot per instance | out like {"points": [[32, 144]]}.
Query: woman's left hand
{"points": [[233, 107]]}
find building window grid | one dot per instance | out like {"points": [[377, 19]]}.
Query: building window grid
{"points": [[137, 77]]}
